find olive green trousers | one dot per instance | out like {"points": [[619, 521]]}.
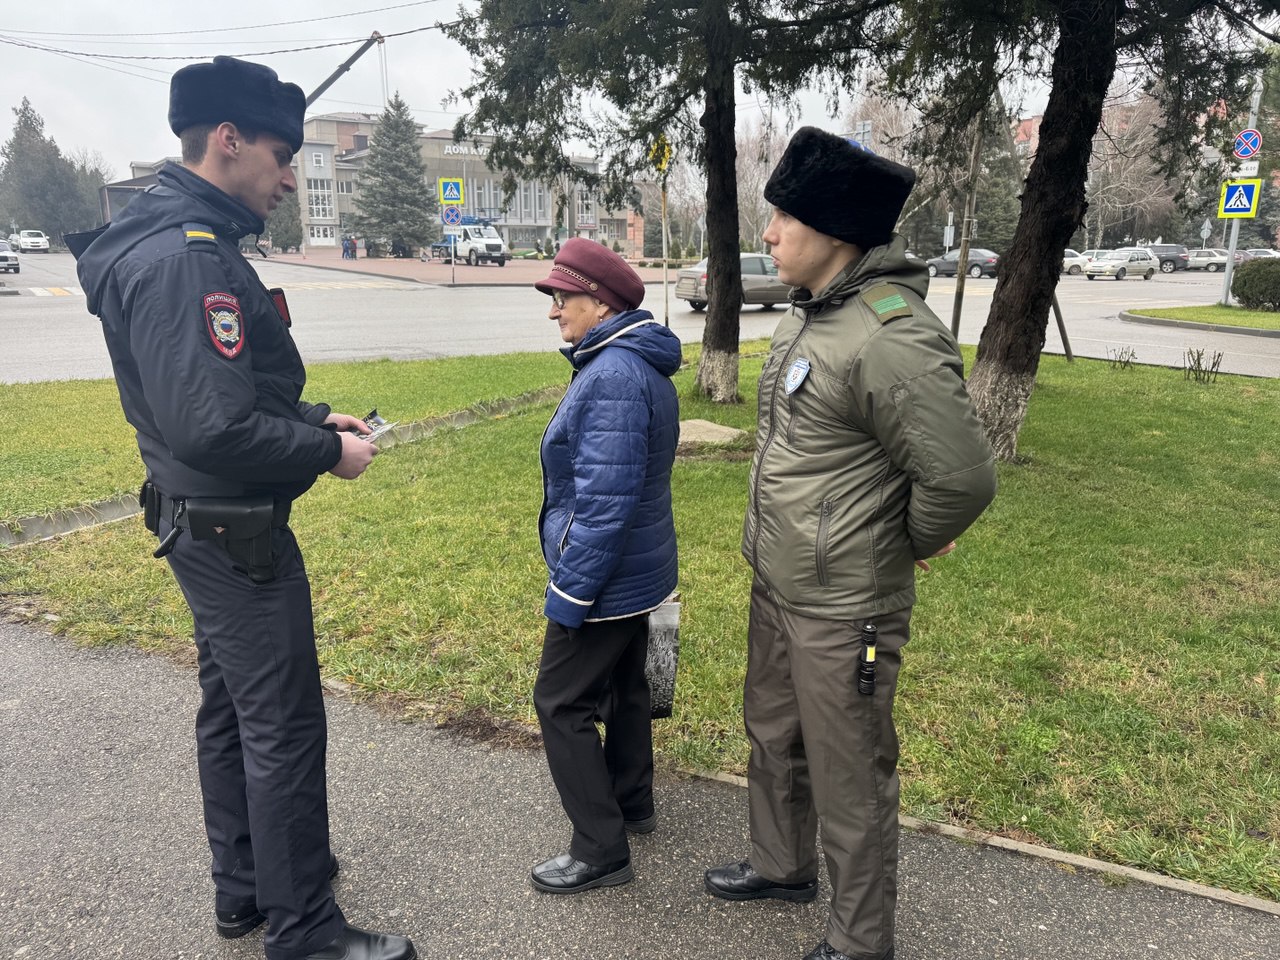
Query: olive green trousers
{"points": [[821, 752]]}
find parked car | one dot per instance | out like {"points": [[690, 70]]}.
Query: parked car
{"points": [[1244, 256], [1262, 252], [1073, 263], [1171, 256], [981, 263], [1094, 254], [8, 259], [1210, 259], [760, 283], [1125, 262]]}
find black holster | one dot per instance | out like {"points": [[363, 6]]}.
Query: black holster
{"points": [[242, 525]]}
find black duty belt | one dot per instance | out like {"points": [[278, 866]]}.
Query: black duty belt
{"points": [[233, 521], [170, 508]]}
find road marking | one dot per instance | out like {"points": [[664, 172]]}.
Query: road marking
{"points": [[57, 291]]}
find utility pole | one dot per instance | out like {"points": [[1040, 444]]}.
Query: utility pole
{"points": [[1254, 105]]}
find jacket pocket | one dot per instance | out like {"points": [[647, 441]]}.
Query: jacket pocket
{"points": [[820, 547], [564, 537]]}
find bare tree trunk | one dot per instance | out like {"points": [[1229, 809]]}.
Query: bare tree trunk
{"points": [[1053, 205], [718, 369]]}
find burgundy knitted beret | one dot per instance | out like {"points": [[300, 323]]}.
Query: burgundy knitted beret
{"points": [[584, 266]]}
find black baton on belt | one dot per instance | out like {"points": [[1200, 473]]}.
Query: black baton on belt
{"points": [[867, 660]]}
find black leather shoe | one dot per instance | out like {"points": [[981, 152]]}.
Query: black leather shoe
{"points": [[644, 825], [567, 874], [825, 951], [356, 944], [739, 881], [239, 918]]}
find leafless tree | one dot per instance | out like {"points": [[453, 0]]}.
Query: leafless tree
{"points": [[1126, 185], [760, 145]]}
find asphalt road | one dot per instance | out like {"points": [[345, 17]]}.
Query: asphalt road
{"points": [[102, 853], [340, 316]]}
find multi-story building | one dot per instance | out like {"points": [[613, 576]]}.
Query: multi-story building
{"points": [[335, 149]]}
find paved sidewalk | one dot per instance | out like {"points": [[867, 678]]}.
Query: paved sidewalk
{"points": [[102, 853]]}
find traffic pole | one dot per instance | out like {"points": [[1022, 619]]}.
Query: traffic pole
{"points": [[1254, 104]]}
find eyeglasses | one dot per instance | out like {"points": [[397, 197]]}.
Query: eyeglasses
{"points": [[559, 298]]}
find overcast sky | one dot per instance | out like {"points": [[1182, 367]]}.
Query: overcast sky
{"points": [[118, 107]]}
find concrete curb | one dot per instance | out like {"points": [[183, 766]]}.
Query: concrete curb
{"points": [[1053, 856], [1128, 317], [37, 529]]}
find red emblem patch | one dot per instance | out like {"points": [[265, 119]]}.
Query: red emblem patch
{"points": [[225, 322]]}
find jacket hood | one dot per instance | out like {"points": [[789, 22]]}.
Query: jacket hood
{"points": [[886, 262], [168, 204], [634, 330]]}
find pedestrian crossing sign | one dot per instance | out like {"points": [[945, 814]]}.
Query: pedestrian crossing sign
{"points": [[450, 190], [1239, 199]]}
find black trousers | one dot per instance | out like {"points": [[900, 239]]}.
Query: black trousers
{"points": [[598, 671], [260, 740]]}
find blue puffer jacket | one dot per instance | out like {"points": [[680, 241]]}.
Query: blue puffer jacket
{"points": [[607, 532]]}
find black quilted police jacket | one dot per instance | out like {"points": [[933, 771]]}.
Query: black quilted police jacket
{"points": [[208, 373]]}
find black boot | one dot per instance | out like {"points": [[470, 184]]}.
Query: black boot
{"points": [[567, 874], [739, 881], [356, 944]]}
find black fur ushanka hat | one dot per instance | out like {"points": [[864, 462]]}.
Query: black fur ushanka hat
{"points": [[247, 94], [839, 188]]}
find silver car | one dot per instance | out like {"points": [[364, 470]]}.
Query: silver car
{"points": [[8, 259], [760, 283], [1125, 262], [1207, 258]]}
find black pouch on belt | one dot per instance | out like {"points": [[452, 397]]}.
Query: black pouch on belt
{"points": [[242, 525], [149, 501]]}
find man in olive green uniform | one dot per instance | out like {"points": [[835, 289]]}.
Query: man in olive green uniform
{"points": [[869, 460]]}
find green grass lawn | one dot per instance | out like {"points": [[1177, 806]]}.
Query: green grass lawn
{"points": [[1216, 313], [85, 451], [1097, 667]]}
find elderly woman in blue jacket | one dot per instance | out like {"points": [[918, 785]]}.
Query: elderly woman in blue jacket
{"points": [[609, 540]]}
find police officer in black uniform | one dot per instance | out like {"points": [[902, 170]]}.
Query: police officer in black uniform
{"points": [[211, 380]]}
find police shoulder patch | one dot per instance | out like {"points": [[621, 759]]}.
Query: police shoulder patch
{"points": [[199, 235], [225, 322], [887, 301]]}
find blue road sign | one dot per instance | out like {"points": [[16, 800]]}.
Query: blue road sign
{"points": [[1239, 199], [452, 216], [1248, 143], [450, 190]]}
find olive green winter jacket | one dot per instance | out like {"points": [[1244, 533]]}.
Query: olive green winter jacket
{"points": [[869, 455]]}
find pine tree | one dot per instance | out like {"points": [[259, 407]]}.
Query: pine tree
{"points": [[397, 206], [39, 187], [284, 226]]}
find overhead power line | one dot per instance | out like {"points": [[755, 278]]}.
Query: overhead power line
{"points": [[261, 26], [251, 53]]}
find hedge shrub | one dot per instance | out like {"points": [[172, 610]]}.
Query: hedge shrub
{"points": [[1256, 284]]}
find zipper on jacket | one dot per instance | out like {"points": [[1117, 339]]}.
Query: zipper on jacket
{"points": [[564, 540], [820, 548], [768, 440]]}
